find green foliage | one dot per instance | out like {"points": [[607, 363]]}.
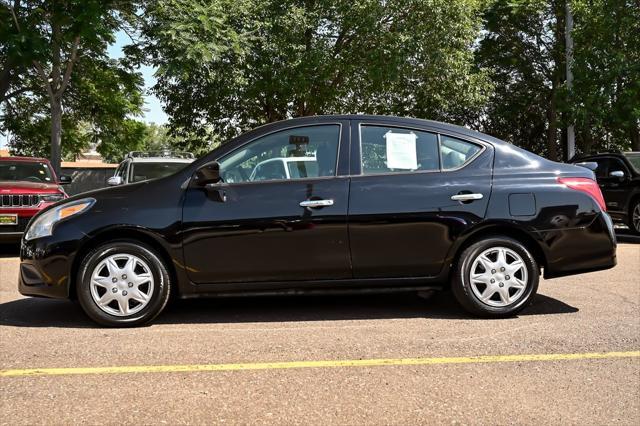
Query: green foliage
{"points": [[225, 66], [523, 49], [117, 141], [97, 106], [53, 58], [605, 101]]}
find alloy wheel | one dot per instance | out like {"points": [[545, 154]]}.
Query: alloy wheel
{"points": [[122, 284], [498, 277], [635, 217]]}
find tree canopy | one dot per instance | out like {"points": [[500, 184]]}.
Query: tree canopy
{"points": [[224, 66], [228, 65]]}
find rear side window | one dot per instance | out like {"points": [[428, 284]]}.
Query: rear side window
{"points": [[393, 149], [455, 152]]}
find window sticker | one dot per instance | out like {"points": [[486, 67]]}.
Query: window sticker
{"points": [[401, 151]]}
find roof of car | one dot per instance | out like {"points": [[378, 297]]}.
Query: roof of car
{"points": [[161, 160], [25, 159], [602, 154], [375, 119]]}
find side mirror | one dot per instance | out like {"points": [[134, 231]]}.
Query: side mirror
{"points": [[617, 174], [208, 174], [591, 165], [114, 181], [65, 180]]}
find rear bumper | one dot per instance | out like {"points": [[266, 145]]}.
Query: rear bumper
{"points": [[580, 250]]}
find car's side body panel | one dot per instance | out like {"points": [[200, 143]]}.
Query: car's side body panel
{"points": [[409, 232], [567, 225], [407, 220]]}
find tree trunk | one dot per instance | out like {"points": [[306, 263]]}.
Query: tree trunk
{"points": [[635, 139], [552, 129], [5, 81], [56, 133]]}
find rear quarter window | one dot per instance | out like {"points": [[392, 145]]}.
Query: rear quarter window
{"points": [[456, 153]]}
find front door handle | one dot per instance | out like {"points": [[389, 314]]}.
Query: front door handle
{"points": [[466, 197], [314, 204]]}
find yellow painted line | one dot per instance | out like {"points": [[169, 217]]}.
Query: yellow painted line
{"points": [[312, 364]]}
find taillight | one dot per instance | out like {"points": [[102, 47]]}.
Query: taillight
{"points": [[585, 185]]}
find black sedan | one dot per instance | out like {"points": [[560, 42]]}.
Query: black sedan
{"points": [[326, 204]]}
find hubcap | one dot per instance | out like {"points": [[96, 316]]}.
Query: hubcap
{"points": [[498, 277], [122, 284], [636, 217]]}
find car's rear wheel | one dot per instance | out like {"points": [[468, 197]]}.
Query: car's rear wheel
{"points": [[634, 217], [123, 283], [495, 277]]}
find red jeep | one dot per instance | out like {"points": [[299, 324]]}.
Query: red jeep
{"points": [[27, 185]]}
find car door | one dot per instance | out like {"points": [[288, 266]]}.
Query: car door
{"points": [[273, 228], [413, 191], [614, 189]]}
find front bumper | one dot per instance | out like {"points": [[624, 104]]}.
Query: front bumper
{"points": [[46, 264]]}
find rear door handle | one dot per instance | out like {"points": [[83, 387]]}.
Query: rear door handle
{"points": [[313, 204], [466, 197]]}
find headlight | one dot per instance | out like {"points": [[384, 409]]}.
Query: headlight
{"points": [[43, 225], [52, 198]]}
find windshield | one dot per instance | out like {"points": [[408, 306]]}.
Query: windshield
{"points": [[25, 171], [146, 171], [634, 159]]}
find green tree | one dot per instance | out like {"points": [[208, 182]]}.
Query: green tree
{"points": [[523, 51], [43, 41], [98, 110], [605, 100], [228, 65]]}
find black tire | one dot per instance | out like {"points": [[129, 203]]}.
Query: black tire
{"points": [[157, 300], [461, 284], [634, 228]]}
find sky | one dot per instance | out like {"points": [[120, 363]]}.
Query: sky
{"points": [[153, 112]]}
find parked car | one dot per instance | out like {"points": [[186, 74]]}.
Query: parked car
{"points": [[27, 186], [138, 166], [393, 204], [618, 175]]}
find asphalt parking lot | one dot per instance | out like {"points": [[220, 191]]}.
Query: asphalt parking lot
{"points": [[571, 357]]}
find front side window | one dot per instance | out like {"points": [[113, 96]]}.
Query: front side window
{"points": [[608, 165], [298, 153], [456, 152], [120, 170], [393, 149]]}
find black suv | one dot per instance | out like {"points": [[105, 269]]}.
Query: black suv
{"points": [[618, 175]]}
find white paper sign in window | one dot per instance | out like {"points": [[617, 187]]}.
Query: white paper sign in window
{"points": [[401, 151]]}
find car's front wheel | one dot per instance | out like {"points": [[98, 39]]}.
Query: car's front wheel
{"points": [[123, 283], [495, 277]]}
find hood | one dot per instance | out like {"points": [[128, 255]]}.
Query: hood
{"points": [[8, 187]]}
